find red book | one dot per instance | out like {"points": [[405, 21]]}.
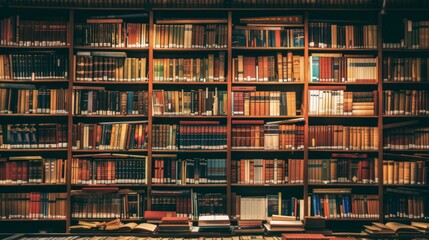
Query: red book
{"points": [[175, 220], [158, 215]]}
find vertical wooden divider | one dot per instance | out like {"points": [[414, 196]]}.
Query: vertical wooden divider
{"points": [[71, 77], [150, 119], [380, 115], [305, 110], [229, 114]]}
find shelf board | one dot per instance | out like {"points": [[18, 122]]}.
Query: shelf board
{"points": [[34, 115], [343, 83], [342, 116], [35, 81], [268, 83], [263, 117], [268, 48], [191, 21], [343, 150], [366, 50], [33, 47], [191, 83], [33, 185], [189, 49], [188, 116], [34, 220], [266, 150], [111, 116], [267, 185], [107, 220], [189, 185], [34, 150], [405, 116], [134, 49], [344, 184], [352, 219], [407, 219], [407, 185], [108, 151], [406, 150], [417, 50], [142, 83], [189, 151], [404, 83], [110, 185]]}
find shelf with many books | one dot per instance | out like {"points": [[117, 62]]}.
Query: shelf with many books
{"points": [[218, 105]]}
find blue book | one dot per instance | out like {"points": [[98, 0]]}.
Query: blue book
{"points": [[315, 68]]}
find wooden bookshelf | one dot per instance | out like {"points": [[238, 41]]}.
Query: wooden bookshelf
{"points": [[228, 15]]}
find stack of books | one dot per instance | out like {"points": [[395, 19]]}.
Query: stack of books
{"points": [[317, 225], [249, 226], [214, 223], [392, 228], [279, 223], [113, 226], [175, 224], [422, 227]]}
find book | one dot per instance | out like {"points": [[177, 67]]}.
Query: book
{"points": [[401, 228], [405, 102]]}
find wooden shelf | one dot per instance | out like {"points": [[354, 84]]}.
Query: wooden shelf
{"points": [[50, 48], [244, 185], [407, 185], [127, 49], [201, 185], [268, 83], [138, 83], [406, 50], [342, 150], [48, 115], [189, 151], [190, 83], [187, 117], [110, 185], [108, 151], [405, 116], [343, 83], [265, 117], [34, 150], [266, 150], [268, 48], [54, 81], [365, 50], [33, 185], [342, 116], [343, 184], [405, 83], [111, 116], [189, 49], [34, 220]]}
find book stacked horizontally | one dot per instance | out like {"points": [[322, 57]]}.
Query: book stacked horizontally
{"points": [[422, 227], [317, 225], [378, 229], [392, 228], [214, 223], [249, 226], [156, 216], [303, 236], [278, 223], [115, 226], [175, 224]]}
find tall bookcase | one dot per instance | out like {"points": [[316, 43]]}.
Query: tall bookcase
{"points": [[250, 69]]}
